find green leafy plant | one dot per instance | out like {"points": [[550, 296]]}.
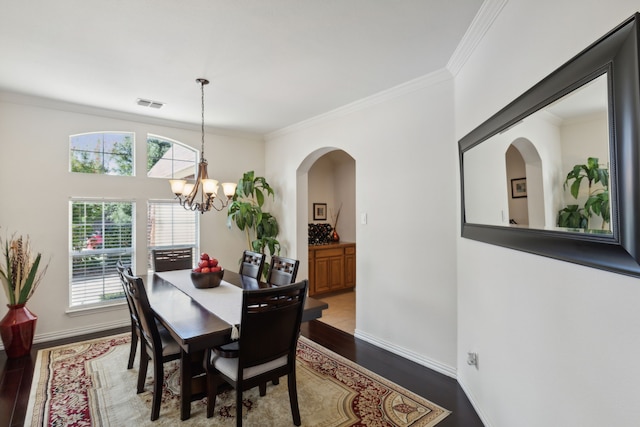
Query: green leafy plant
{"points": [[572, 216], [246, 211], [19, 274], [597, 197]]}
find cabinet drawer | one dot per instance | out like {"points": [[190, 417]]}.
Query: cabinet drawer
{"points": [[323, 253], [350, 250]]}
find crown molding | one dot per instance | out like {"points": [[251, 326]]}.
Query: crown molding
{"points": [[483, 20], [378, 98], [54, 104]]}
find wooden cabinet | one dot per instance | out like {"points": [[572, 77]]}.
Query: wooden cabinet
{"points": [[332, 267]]}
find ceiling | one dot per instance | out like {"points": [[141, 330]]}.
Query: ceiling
{"points": [[271, 63]]}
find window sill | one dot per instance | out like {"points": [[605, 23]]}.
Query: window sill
{"points": [[93, 309]]}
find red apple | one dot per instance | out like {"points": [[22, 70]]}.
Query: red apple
{"points": [[206, 270], [204, 255], [197, 270], [203, 263], [215, 269], [213, 262]]}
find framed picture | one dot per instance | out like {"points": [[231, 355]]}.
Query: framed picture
{"points": [[518, 188], [319, 211]]}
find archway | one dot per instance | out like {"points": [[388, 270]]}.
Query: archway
{"points": [[326, 178], [524, 167]]}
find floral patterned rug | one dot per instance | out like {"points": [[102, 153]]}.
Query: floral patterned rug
{"points": [[87, 384]]}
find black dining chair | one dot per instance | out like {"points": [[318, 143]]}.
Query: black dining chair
{"points": [[269, 331], [172, 259], [282, 271], [135, 323], [252, 264], [156, 343]]}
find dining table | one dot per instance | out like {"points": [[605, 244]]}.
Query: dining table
{"points": [[199, 319]]}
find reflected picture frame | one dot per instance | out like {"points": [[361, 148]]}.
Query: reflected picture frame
{"points": [[319, 211], [518, 188]]}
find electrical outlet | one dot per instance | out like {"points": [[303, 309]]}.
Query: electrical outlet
{"points": [[472, 359]]}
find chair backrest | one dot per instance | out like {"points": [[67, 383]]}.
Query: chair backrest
{"points": [[121, 268], [172, 259], [138, 294], [282, 271], [270, 323], [252, 264]]}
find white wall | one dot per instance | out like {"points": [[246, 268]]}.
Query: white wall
{"points": [[405, 155], [36, 187], [558, 343]]}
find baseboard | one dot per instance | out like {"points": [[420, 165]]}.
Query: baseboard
{"points": [[52, 336], [407, 354], [475, 405]]}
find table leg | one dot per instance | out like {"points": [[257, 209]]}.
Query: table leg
{"points": [[185, 385]]}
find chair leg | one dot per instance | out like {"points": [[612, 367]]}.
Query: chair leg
{"points": [[212, 393], [134, 346], [293, 398], [144, 363], [158, 382], [263, 389], [238, 405]]}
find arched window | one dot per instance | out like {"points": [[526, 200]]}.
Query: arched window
{"points": [[170, 159], [106, 153]]}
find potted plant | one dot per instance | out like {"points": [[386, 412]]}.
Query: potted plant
{"points": [[260, 227], [20, 278], [597, 202]]}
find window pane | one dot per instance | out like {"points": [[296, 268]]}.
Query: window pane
{"points": [[169, 225], [101, 234], [109, 153], [170, 159]]}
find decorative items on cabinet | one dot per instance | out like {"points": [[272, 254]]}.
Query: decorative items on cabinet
{"points": [[319, 234], [332, 267]]}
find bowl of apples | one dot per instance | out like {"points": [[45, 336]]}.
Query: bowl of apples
{"points": [[208, 274]]}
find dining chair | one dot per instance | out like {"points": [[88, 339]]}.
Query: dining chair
{"points": [[252, 264], [158, 346], [172, 259], [269, 331], [135, 323], [282, 271]]}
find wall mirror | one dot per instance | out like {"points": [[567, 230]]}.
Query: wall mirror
{"points": [[557, 171]]}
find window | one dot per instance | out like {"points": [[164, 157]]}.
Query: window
{"points": [[170, 159], [169, 225], [106, 153], [101, 234]]}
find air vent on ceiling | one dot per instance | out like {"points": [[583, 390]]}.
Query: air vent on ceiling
{"points": [[149, 103]]}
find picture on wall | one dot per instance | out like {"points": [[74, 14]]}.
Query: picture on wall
{"points": [[518, 188], [319, 211]]}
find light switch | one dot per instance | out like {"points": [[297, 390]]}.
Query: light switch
{"points": [[363, 218]]}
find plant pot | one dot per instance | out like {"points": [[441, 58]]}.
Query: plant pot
{"points": [[17, 329]]}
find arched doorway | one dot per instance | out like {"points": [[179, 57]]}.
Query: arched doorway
{"points": [[524, 171], [326, 179]]}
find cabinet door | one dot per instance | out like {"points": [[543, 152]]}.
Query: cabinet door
{"points": [[321, 275], [350, 268], [336, 273]]}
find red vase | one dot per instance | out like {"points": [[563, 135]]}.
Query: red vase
{"points": [[17, 329], [334, 236]]}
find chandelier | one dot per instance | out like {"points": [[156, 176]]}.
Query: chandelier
{"points": [[207, 189]]}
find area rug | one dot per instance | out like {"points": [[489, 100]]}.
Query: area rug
{"points": [[87, 384]]}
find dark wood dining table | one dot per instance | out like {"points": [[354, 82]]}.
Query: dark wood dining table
{"points": [[195, 328]]}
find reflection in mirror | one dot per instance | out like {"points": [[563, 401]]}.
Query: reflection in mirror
{"points": [[537, 174]]}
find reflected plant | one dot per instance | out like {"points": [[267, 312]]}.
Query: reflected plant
{"points": [[597, 195]]}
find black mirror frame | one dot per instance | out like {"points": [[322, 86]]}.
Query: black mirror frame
{"points": [[616, 54]]}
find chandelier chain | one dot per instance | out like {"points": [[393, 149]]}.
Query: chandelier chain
{"points": [[202, 83]]}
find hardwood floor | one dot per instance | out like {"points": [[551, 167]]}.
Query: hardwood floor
{"points": [[16, 375]]}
